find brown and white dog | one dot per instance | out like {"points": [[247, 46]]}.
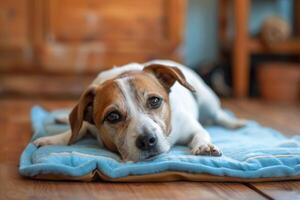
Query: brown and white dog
{"points": [[142, 110]]}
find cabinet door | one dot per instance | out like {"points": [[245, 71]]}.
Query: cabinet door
{"points": [[86, 20], [83, 36], [15, 47]]}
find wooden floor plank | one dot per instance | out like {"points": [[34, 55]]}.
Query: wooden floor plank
{"points": [[285, 118], [289, 190], [15, 127], [14, 187]]}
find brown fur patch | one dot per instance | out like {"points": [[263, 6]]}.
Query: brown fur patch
{"points": [[108, 98]]}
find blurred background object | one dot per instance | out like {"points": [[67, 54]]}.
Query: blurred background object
{"points": [[248, 45], [279, 82], [274, 29], [54, 48]]}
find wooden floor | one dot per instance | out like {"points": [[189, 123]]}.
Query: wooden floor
{"points": [[16, 131]]}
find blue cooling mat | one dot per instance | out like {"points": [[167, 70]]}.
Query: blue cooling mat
{"points": [[251, 152]]}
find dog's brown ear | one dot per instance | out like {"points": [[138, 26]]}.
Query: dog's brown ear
{"points": [[83, 111], [167, 76]]}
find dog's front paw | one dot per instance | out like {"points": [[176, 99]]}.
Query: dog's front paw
{"points": [[206, 149], [43, 141]]}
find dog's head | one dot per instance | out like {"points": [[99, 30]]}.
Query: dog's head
{"points": [[131, 111]]}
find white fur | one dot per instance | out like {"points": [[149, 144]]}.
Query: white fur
{"points": [[112, 73], [187, 111], [123, 84], [139, 120]]}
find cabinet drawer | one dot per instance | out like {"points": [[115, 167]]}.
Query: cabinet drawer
{"points": [[86, 20]]}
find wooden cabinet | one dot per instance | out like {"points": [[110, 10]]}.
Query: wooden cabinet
{"points": [[15, 37], [76, 39]]}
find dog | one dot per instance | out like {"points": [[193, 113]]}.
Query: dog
{"points": [[142, 110]]}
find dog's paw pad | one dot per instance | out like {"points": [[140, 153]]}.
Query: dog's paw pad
{"points": [[207, 150]]}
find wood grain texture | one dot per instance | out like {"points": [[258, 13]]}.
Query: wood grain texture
{"points": [[280, 190], [14, 19], [240, 58], [291, 46], [54, 86], [297, 17], [283, 117], [15, 35], [223, 21], [105, 19], [80, 37], [86, 36], [15, 187], [16, 131]]}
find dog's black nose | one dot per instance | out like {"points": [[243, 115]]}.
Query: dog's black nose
{"points": [[146, 142]]}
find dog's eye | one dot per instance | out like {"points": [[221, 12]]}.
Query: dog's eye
{"points": [[154, 102], [113, 117]]}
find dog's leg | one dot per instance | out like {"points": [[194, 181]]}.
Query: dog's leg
{"points": [[60, 139], [64, 138], [201, 144], [195, 136], [224, 119]]}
